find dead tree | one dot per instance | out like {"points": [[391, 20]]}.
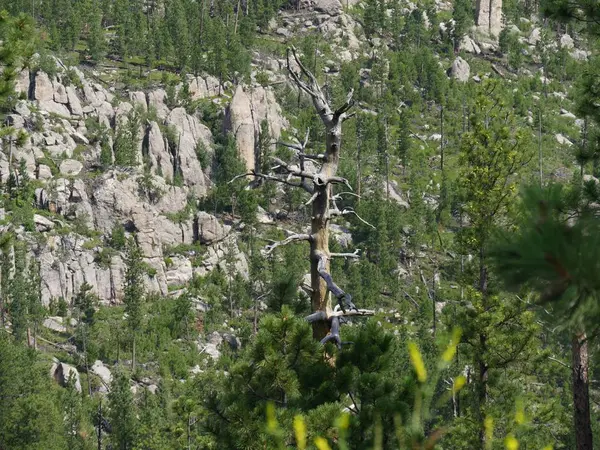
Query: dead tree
{"points": [[326, 316]]}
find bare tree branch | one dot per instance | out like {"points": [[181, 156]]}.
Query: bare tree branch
{"points": [[346, 106], [269, 177], [293, 238], [347, 211], [339, 195], [355, 254]]}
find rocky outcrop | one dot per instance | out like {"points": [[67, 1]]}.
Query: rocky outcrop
{"points": [[204, 87], [246, 113], [148, 210], [241, 124], [489, 17], [161, 160], [156, 101], [192, 136]]}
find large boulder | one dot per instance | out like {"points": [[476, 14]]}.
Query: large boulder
{"points": [[102, 372], [331, 7], [74, 103], [54, 324], [209, 228], [460, 70], [44, 90], [63, 373], [60, 93], [468, 45], [70, 167]]}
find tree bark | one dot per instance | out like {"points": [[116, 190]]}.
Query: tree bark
{"points": [[321, 214], [581, 398]]}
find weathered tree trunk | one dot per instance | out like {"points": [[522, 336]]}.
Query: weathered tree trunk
{"points": [[325, 318], [319, 247], [581, 397]]}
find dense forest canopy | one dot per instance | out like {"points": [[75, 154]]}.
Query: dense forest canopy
{"points": [[244, 224]]}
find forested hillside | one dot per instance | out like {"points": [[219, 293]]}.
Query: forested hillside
{"points": [[304, 224]]}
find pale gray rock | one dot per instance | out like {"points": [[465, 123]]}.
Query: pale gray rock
{"points": [[161, 159], [180, 272], [395, 193], [16, 121], [468, 45], [22, 83], [156, 101], [191, 134], [562, 140], [341, 234], [22, 109], [241, 123], [70, 167], [460, 70], [535, 36], [60, 93], [567, 114], [44, 172], [244, 117], [579, 54], [139, 98], [567, 42], [89, 95], [489, 17], [52, 107], [74, 103], [80, 138], [44, 91], [209, 228], [102, 372], [204, 87], [42, 223], [331, 7], [54, 324], [62, 373]]}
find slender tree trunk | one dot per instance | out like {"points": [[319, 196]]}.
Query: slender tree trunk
{"points": [[100, 424], [133, 354], [581, 396], [482, 382], [540, 155]]}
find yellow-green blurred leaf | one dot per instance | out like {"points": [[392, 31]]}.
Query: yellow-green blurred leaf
{"points": [[417, 362], [300, 430], [322, 444]]}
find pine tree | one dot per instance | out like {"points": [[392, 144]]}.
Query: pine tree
{"points": [[492, 155], [463, 16], [134, 294], [122, 414]]}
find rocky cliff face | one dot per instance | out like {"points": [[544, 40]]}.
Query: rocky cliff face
{"points": [[489, 17], [70, 120]]}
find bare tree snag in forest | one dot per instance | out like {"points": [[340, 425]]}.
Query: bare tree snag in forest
{"points": [[326, 316]]}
